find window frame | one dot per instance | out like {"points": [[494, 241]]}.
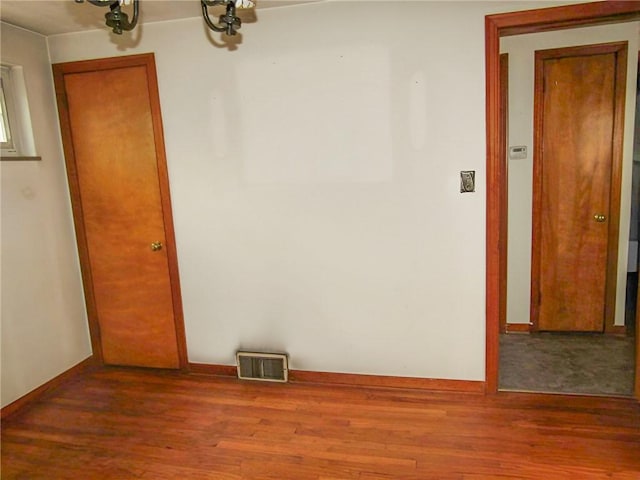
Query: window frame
{"points": [[8, 112], [16, 105]]}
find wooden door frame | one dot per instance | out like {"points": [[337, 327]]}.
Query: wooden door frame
{"points": [[496, 26], [637, 318], [504, 138], [147, 61], [620, 50], [637, 380]]}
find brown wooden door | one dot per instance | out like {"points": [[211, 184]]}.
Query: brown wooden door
{"points": [[112, 135], [579, 101]]}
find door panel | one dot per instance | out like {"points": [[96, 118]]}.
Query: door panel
{"points": [[112, 147], [572, 198]]}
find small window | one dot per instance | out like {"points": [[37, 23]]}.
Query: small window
{"points": [[16, 135], [6, 139]]}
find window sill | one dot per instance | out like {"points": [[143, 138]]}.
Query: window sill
{"points": [[20, 158]]}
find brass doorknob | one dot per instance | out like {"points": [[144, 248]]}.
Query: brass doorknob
{"points": [[155, 246], [599, 218]]}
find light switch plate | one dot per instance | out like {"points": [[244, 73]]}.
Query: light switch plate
{"points": [[467, 181]]}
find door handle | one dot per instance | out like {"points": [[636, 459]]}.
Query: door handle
{"points": [[599, 218], [155, 246]]}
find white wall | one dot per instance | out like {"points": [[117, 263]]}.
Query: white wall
{"points": [[43, 324], [521, 50], [315, 182]]}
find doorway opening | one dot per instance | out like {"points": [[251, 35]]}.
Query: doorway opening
{"points": [[563, 208], [497, 167]]}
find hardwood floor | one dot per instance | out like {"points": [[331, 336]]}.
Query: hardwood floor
{"points": [[131, 423]]}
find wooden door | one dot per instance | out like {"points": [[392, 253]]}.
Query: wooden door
{"points": [[112, 134], [579, 105]]}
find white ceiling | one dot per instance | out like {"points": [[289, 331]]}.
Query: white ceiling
{"points": [[51, 17]]}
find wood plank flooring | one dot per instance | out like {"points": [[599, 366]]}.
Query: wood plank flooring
{"points": [[130, 423]]}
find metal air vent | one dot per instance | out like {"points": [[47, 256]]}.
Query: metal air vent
{"points": [[267, 367]]}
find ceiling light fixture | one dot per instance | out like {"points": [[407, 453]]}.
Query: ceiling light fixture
{"points": [[228, 23]]}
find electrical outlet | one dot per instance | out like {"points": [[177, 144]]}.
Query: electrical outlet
{"points": [[467, 181]]}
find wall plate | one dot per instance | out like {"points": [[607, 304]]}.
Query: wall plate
{"points": [[467, 181]]}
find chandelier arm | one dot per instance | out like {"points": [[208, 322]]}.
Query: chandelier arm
{"points": [[119, 20], [205, 15], [134, 21]]}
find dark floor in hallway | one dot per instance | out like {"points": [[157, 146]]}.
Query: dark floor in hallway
{"points": [[567, 363]]}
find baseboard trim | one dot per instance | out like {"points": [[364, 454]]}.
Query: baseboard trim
{"points": [[615, 329], [518, 328], [211, 369], [415, 383], [353, 379], [32, 397], [526, 328]]}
